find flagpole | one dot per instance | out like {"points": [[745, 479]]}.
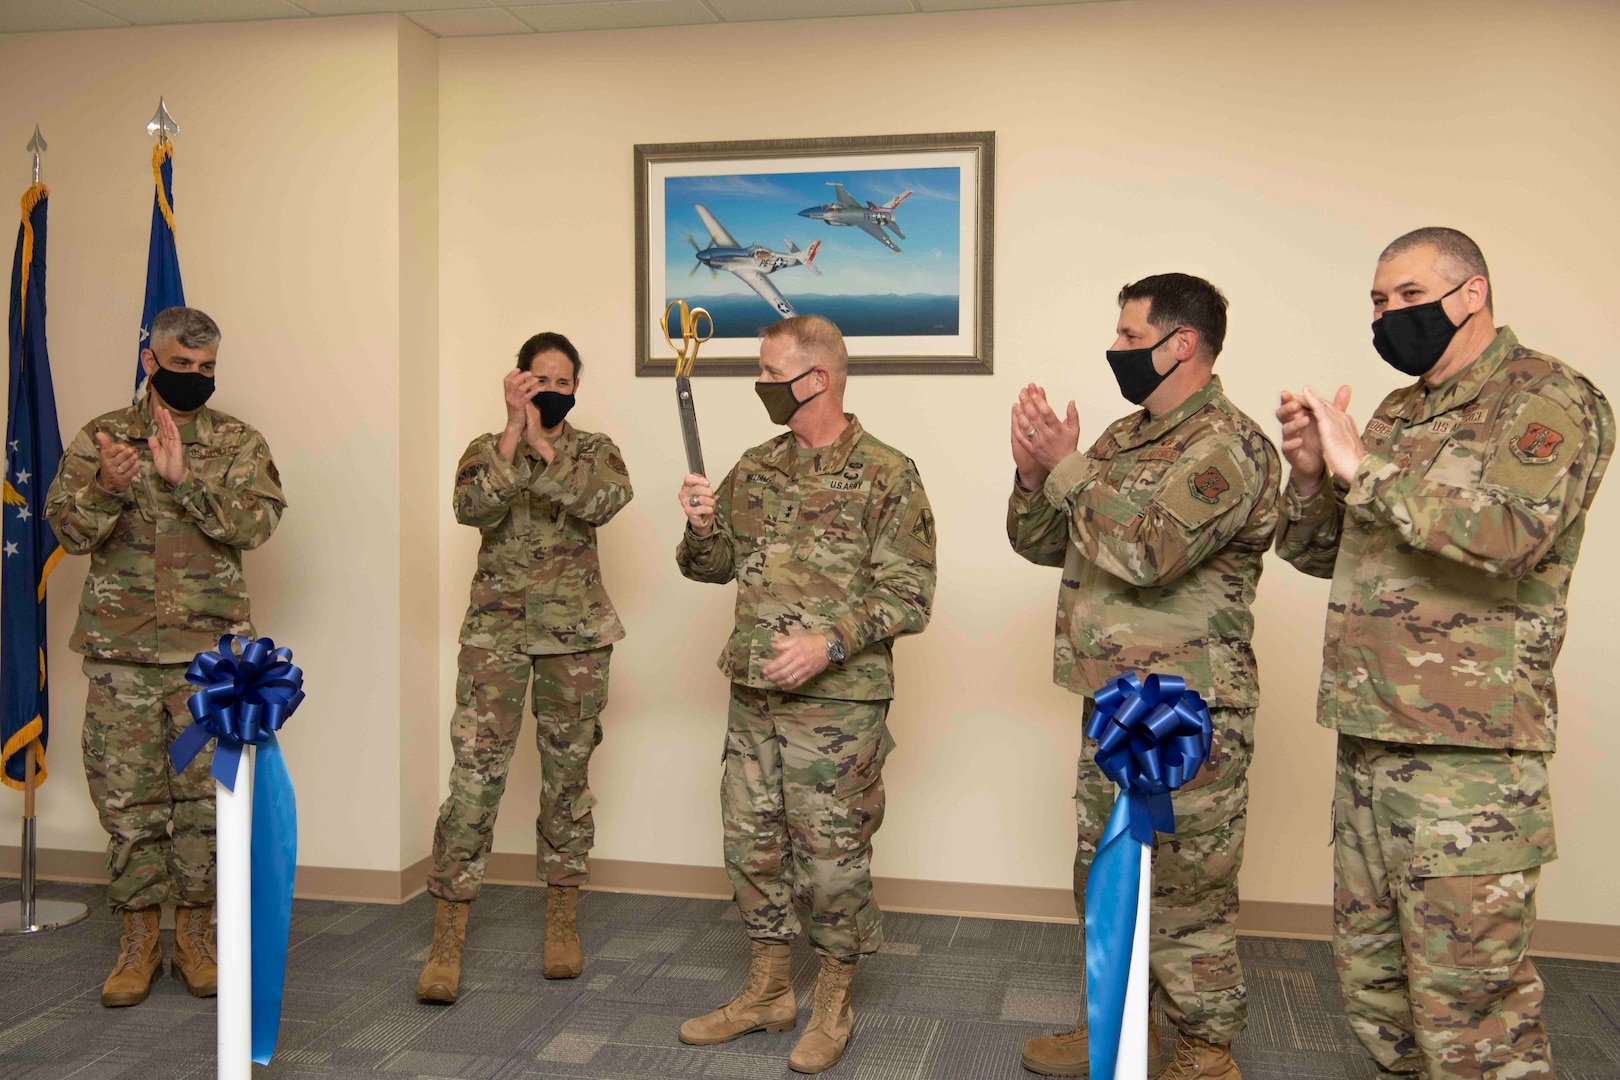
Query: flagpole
{"points": [[31, 915]]}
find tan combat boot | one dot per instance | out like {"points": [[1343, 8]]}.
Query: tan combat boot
{"points": [[765, 1004], [1068, 1053], [441, 975], [1196, 1058], [831, 1019], [193, 961], [139, 959], [563, 959]]}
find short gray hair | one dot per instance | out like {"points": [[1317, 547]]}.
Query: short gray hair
{"points": [[185, 326], [1457, 248]]}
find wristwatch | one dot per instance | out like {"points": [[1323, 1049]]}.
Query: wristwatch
{"points": [[835, 651]]}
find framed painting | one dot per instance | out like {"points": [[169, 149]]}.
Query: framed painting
{"points": [[891, 237]]}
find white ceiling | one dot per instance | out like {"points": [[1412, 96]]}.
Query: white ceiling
{"points": [[466, 18]]}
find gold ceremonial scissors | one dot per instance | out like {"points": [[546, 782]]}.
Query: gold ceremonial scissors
{"points": [[690, 338]]}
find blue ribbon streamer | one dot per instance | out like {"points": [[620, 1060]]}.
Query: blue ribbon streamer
{"points": [[248, 690], [1152, 737]]}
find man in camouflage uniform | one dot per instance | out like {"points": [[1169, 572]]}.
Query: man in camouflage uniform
{"points": [[1160, 529], [829, 536], [1450, 529], [537, 491], [164, 497]]}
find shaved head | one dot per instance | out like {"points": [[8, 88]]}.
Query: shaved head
{"points": [[1456, 255]]}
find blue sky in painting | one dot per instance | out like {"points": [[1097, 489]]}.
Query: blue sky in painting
{"points": [[763, 208]]}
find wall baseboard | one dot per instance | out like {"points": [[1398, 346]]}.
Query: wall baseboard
{"points": [[1269, 918]]}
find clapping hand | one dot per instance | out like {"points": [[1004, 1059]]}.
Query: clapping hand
{"points": [[168, 452], [1039, 438], [119, 464]]}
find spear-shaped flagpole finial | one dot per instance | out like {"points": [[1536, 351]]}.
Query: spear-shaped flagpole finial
{"points": [[162, 124], [36, 145]]}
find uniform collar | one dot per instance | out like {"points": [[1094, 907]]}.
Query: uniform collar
{"points": [[199, 431], [1463, 387], [565, 442], [784, 455], [1142, 428]]}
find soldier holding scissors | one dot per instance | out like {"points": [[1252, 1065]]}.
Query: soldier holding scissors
{"points": [[830, 539]]}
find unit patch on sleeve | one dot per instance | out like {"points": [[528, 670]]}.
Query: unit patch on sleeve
{"points": [[1210, 485], [1537, 444]]}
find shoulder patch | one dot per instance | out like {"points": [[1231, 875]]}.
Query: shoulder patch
{"points": [[470, 473], [1207, 488], [1535, 445], [1210, 485], [616, 463], [275, 473], [922, 530], [917, 536]]}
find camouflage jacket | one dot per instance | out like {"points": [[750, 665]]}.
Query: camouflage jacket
{"points": [[839, 543], [1160, 529], [165, 577], [538, 587], [1451, 551]]}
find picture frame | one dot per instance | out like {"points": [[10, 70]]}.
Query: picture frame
{"points": [[909, 279]]}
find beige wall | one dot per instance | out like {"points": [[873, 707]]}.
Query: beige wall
{"points": [[287, 196], [1271, 146]]}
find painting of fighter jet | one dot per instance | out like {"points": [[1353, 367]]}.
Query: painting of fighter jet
{"points": [[751, 263], [869, 217]]}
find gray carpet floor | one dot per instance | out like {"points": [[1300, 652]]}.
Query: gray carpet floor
{"points": [[947, 998]]}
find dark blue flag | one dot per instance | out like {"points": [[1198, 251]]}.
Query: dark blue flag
{"points": [[33, 450], [163, 288]]}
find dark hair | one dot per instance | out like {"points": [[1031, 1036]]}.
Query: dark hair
{"points": [[1455, 247], [547, 341], [1176, 300]]}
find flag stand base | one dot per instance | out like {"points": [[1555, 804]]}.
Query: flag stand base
{"points": [[48, 915]]}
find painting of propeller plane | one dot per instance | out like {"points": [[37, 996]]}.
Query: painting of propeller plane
{"points": [[891, 237], [868, 290], [750, 263]]}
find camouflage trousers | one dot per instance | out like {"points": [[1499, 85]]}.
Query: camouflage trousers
{"points": [[161, 824], [1437, 853], [1193, 960], [570, 691], [800, 799]]}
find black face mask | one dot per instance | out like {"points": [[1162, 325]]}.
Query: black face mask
{"points": [[779, 399], [1412, 339], [553, 407], [182, 391], [1134, 371]]}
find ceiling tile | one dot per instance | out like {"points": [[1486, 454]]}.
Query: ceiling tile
{"points": [[469, 22], [761, 10], [383, 7], [164, 12], [20, 16], [612, 14]]}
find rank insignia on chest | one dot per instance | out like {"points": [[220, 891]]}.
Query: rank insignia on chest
{"points": [[1209, 485], [1538, 445]]}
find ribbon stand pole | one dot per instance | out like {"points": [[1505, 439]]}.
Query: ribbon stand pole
{"points": [[233, 897], [1132, 1062]]}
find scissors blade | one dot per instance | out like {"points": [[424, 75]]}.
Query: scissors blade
{"points": [[689, 424]]}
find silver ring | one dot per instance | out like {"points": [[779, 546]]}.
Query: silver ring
{"points": [[694, 500], [1030, 434]]}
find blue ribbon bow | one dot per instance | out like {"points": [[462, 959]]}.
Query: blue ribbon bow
{"points": [[1152, 737], [249, 688]]}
